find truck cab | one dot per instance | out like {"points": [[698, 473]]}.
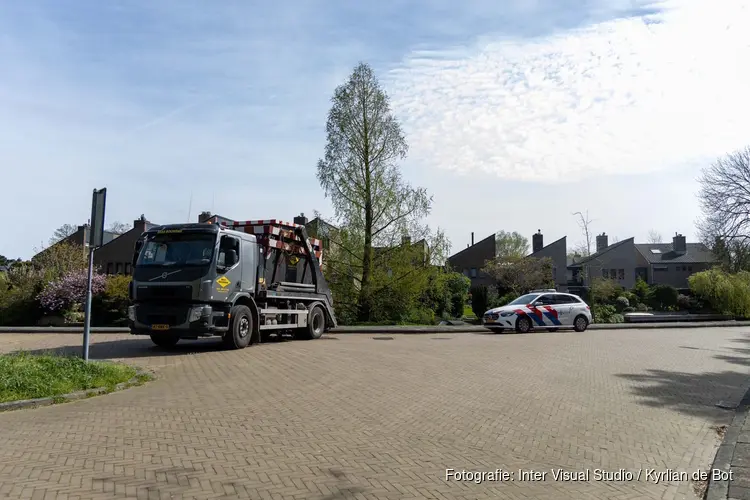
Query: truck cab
{"points": [[204, 280]]}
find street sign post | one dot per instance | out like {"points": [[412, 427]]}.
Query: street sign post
{"points": [[96, 239]]}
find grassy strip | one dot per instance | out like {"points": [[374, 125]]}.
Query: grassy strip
{"points": [[31, 376]]}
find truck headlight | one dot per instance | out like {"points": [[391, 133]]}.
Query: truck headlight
{"points": [[199, 312], [131, 313]]}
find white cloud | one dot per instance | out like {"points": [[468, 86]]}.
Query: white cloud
{"points": [[625, 96]]}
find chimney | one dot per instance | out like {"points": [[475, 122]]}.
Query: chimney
{"points": [[406, 240], [472, 238], [602, 242], [300, 219], [204, 216], [678, 244], [140, 224], [537, 241]]}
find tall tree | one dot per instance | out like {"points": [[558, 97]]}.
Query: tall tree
{"points": [[725, 198], [62, 232], [510, 247], [584, 222], [359, 172]]}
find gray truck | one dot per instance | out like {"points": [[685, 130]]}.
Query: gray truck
{"points": [[242, 282]]}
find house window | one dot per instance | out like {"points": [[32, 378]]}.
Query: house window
{"points": [[119, 268], [110, 268], [613, 274], [473, 272], [605, 273], [466, 272], [127, 268], [690, 269], [554, 271], [621, 274]]}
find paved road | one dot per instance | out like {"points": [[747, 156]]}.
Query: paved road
{"points": [[360, 417]]}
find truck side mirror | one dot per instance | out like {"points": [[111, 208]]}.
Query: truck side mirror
{"points": [[137, 251]]}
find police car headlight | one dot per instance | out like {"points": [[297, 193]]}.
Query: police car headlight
{"points": [[507, 313]]}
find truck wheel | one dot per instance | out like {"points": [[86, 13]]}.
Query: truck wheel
{"points": [[240, 331], [316, 324], [163, 340]]}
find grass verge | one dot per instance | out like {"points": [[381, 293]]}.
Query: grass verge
{"points": [[32, 376]]}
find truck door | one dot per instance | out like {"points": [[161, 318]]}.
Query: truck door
{"points": [[228, 267]]}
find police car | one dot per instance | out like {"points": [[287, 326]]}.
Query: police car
{"points": [[548, 309]]}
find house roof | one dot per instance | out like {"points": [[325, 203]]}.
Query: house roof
{"points": [[149, 225], [602, 252], [663, 253], [492, 236], [547, 246]]}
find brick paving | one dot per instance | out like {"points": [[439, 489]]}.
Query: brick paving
{"points": [[357, 417]]}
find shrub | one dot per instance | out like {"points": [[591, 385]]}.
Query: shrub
{"points": [[604, 290], [628, 310], [684, 302], [420, 316], [621, 303], [111, 307], [457, 287], [63, 294], [641, 307], [632, 298], [479, 302], [663, 297], [603, 313], [726, 293], [641, 290]]}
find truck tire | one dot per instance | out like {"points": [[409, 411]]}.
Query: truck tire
{"points": [[164, 340], [240, 331], [316, 324]]}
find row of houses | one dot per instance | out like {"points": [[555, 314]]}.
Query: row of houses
{"points": [[624, 261]]}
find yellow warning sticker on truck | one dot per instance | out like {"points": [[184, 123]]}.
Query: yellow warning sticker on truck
{"points": [[223, 281]]}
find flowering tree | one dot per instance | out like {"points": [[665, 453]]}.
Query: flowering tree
{"points": [[70, 290]]}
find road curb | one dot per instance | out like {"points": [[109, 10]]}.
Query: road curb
{"points": [[404, 330], [719, 490], [74, 396]]}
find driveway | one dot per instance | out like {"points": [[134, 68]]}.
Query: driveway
{"points": [[363, 416]]}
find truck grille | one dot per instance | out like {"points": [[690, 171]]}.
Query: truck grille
{"points": [[181, 292], [171, 318]]}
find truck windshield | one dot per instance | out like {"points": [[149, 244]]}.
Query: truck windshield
{"points": [[184, 249]]}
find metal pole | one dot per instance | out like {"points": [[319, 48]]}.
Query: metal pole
{"points": [[87, 314]]}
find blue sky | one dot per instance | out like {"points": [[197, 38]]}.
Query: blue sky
{"points": [[518, 113]]}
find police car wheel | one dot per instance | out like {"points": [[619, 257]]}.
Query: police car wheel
{"points": [[580, 323], [523, 324]]}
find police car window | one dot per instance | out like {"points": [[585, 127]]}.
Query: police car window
{"points": [[571, 299], [545, 300]]}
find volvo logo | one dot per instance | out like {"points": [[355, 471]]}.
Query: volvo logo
{"points": [[164, 275]]}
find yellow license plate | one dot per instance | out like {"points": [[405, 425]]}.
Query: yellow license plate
{"points": [[160, 327]]}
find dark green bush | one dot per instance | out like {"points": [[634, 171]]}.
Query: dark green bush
{"points": [[479, 300], [663, 298], [683, 302], [642, 307], [628, 310]]}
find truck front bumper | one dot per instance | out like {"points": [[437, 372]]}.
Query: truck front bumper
{"points": [[185, 321]]}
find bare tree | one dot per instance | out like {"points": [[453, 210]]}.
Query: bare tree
{"points": [[62, 232], [654, 237], [118, 227], [725, 198], [585, 224], [359, 172]]}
